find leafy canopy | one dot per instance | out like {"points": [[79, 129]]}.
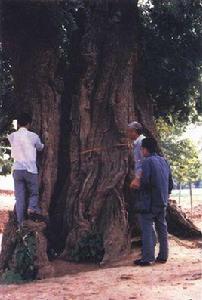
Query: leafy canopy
{"points": [[170, 36], [172, 56], [181, 153]]}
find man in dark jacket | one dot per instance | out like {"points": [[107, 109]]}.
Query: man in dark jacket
{"points": [[155, 186]]}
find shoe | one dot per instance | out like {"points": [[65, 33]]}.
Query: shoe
{"points": [[160, 261], [140, 262]]}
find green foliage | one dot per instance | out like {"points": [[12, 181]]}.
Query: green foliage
{"points": [[62, 25], [172, 57], [22, 265], [89, 249], [5, 78], [67, 20], [5, 166], [181, 153], [7, 100], [25, 254], [10, 277], [5, 154], [171, 53]]}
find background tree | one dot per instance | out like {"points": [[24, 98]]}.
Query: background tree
{"points": [[171, 35], [180, 152], [7, 98], [5, 160]]}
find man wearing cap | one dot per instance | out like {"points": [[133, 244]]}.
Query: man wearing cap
{"points": [[135, 134]]}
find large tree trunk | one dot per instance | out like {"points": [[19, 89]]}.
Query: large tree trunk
{"points": [[85, 166], [105, 97]]}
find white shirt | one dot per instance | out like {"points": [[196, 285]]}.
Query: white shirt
{"points": [[138, 157], [24, 144]]}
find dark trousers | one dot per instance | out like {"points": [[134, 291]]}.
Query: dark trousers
{"points": [[25, 184], [147, 222]]}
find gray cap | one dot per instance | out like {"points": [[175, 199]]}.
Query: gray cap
{"points": [[135, 125]]}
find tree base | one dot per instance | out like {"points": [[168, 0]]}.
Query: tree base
{"points": [[39, 266], [24, 251]]}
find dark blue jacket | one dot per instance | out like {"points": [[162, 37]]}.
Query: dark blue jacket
{"points": [[156, 184]]}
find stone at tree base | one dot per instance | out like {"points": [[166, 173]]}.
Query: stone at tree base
{"points": [[43, 267], [8, 242]]}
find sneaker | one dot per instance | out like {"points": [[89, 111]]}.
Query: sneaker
{"points": [[140, 262]]}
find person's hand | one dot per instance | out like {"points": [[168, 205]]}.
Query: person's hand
{"points": [[135, 184]]}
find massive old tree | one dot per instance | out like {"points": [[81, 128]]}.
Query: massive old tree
{"points": [[81, 110]]}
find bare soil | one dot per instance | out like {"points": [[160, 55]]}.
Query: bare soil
{"points": [[180, 278]]}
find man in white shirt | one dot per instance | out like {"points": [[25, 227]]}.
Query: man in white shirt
{"points": [[24, 145]]}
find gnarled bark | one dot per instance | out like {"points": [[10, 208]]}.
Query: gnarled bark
{"points": [[104, 100]]}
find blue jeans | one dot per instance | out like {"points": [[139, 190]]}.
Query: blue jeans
{"points": [[26, 192], [147, 222]]}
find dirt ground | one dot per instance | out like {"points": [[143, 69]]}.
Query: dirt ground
{"points": [[179, 279]]}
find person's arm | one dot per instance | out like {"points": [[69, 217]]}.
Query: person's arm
{"points": [[135, 184], [170, 179], [170, 182], [138, 169], [138, 158], [145, 181], [38, 144], [10, 137], [138, 161]]}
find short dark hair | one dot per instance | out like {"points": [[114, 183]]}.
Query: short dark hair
{"points": [[24, 119], [139, 131], [150, 144]]}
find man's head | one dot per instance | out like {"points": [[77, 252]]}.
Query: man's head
{"points": [[135, 129], [149, 146], [24, 120]]}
